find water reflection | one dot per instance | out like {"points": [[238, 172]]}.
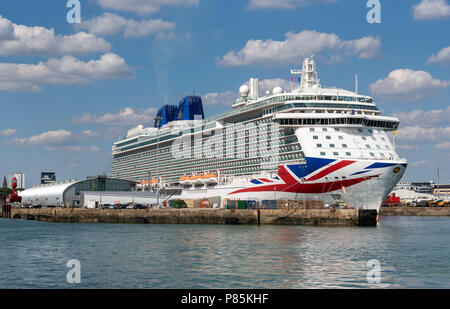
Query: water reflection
{"points": [[34, 254]]}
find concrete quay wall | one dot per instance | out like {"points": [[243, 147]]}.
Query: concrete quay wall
{"points": [[414, 211], [319, 217]]}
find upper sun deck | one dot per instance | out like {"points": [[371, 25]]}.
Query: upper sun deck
{"points": [[308, 96]]}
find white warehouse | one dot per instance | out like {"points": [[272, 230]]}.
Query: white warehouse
{"points": [[68, 193]]}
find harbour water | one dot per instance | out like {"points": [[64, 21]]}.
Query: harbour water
{"points": [[413, 252]]}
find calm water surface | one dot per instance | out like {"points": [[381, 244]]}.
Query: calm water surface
{"points": [[414, 252]]}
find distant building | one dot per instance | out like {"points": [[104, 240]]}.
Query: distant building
{"points": [[423, 187], [20, 180], [442, 190], [5, 184], [69, 193], [48, 177], [403, 186]]}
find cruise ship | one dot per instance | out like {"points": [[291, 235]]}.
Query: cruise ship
{"points": [[306, 143]]}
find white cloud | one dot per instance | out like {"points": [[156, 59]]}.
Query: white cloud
{"points": [[418, 128], [228, 98], [438, 117], [407, 147], [58, 140], [419, 163], [282, 4], [444, 145], [296, 46], [143, 7], [443, 56], [125, 117], [67, 70], [72, 148], [365, 48], [46, 138], [269, 84], [23, 40], [108, 24], [89, 133], [8, 132], [418, 133], [408, 85], [431, 9]]}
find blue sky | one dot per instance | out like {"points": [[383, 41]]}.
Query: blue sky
{"points": [[67, 94]]}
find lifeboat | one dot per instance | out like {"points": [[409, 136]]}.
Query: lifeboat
{"points": [[186, 181], [197, 180], [210, 179]]}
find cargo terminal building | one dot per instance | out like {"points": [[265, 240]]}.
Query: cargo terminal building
{"points": [[71, 192]]}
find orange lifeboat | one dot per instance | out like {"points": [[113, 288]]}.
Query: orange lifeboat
{"points": [[186, 181], [197, 180], [210, 179]]}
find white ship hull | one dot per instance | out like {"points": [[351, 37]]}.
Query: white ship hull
{"points": [[360, 184]]}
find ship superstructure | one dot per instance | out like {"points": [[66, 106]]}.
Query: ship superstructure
{"points": [[305, 143]]}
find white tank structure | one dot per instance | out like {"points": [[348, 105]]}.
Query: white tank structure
{"points": [[244, 90], [277, 90], [68, 193], [49, 195]]}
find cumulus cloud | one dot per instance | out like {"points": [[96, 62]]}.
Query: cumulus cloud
{"points": [[296, 46], [431, 9], [420, 127], [443, 56], [419, 163], [46, 138], [283, 4], [109, 24], [8, 132], [418, 133], [23, 40], [58, 140], [72, 148], [269, 84], [228, 98], [143, 7], [408, 85], [437, 117], [444, 145], [125, 117], [67, 70]]}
